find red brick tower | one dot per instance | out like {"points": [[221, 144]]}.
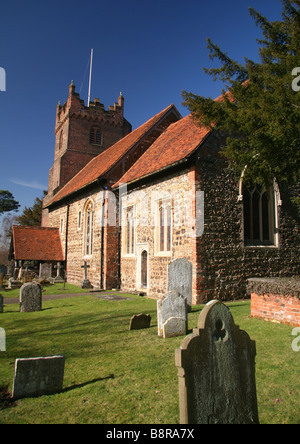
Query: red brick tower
{"points": [[81, 133]]}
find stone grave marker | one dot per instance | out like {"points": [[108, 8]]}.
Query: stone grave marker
{"points": [[38, 376], [85, 283], [30, 297], [216, 371], [2, 340], [174, 305], [174, 327], [58, 278], [180, 274], [137, 322], [45, 271], [1, 303]]}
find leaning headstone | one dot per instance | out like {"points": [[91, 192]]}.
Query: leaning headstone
{"points": [[180, 274], [137, 322], [216, 371], [30, 297], [38, 376], [1, 303], [174, 305]]}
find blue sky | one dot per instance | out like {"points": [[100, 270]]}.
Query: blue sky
{"points": [[150, 51]]}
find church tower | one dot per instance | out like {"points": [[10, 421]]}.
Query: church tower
{"points": [[81, 133]]}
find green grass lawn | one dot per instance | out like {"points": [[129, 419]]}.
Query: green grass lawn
{"points": [[113, 375], [47, 290]]}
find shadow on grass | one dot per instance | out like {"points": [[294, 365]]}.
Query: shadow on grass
{"points": [[83, 384]]}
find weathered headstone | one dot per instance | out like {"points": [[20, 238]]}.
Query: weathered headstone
{"points": [[180, 275], [30, 297], [174, 305], [140, 321], [216, 371], [174, 327], [2, 340], [45, 271], [1, 303], [38, 376]]}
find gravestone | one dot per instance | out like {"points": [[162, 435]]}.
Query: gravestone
{"points": [[38, 376], [174, 305], [58, 278], [2, 340], [140, 321], [180, 275], [1, 303], [216, 371], [30, 297], [174, 327], [45, 271], [85, 283]]}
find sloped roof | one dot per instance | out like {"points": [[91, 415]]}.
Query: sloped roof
{"points": [[102, 163], [37, 243], [178, 142]]}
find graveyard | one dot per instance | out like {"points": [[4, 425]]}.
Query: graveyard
{"points": [[114, 374]]}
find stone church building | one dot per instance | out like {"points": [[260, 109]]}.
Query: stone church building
{"points": [[127, 203]]}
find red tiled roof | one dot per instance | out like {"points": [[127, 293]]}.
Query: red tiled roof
{"points": [[178, 142], [37, 243], [101, 164]]}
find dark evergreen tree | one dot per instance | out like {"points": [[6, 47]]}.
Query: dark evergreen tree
{"points": [[259, 110]]}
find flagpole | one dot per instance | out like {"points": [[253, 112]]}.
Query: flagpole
{"points": [[90, 80]]}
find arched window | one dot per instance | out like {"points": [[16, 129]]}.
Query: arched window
{"points": [[164, 225], [89, 225], [95, 136], [259, 215], [129, 231]]}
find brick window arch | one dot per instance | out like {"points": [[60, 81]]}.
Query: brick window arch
{"points": [[95, 136]]}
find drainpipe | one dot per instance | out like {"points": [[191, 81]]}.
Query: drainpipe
{"points": [[102, 240]]}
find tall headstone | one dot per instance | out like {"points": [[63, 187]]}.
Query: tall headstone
{"points": [[216, 371], [174, 305], [30, 297], [38, 376], [45, 271], [180, 275]]}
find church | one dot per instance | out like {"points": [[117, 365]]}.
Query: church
{"points": [[126, 203]]}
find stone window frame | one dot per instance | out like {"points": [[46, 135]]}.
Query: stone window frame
{"points": [[161, 205], [129, 242], [88, 220], [274, 202]]}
